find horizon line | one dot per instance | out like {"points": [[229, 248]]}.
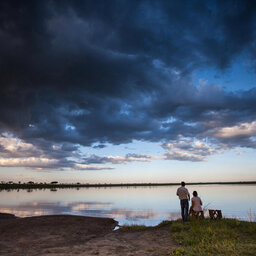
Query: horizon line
{"points": [[55, 184]]}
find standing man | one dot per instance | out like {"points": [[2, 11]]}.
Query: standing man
{"points": [[184, 197]]}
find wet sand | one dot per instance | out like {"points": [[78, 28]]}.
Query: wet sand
{"points": [[78, 235]]}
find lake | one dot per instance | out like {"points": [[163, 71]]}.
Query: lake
{"points": [[147, 205]]}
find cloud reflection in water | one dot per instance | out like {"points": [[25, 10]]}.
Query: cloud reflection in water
{"points": [[136, 205], [95, 209]]}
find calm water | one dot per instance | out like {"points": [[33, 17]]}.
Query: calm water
{"points": [[129, 205]]}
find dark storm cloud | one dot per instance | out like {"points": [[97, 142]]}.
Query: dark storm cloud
{"points": [[99, 146], [90, 72]]}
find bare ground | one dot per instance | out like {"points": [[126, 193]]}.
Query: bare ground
{"points": [[78, 235]]}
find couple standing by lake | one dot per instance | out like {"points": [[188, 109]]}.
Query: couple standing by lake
{"points": [[184, 197]]}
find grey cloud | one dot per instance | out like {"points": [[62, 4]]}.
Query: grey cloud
{"points": [[94, 159], [89, 73], [99, 146]]}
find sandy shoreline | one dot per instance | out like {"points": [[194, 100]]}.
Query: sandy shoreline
{"points": [[78, 235]]}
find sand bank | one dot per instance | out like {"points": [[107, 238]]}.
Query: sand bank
{"points": [[78, 235]]}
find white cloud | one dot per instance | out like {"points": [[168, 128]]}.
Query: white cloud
{"points": [[182, 156], [243, 129], [27, 162], [17, 153], [14, 146], [188, 149], [194, 146]]}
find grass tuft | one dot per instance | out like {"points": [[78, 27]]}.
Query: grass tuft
{"points": [[134, 228], [164, 223], [207, 237]]}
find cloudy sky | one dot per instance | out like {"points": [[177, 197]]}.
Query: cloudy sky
{"points": [[127, 91]]}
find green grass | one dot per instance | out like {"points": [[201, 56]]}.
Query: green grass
{"points": [[134, 228], [226, 237], [208, 237]]}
